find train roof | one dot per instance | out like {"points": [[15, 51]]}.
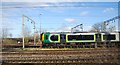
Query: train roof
{"points": [[76, 32]]}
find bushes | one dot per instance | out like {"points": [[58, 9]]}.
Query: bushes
{"points": [[9, 41]]}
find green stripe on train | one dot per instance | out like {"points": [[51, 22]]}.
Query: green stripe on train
{"points": [[46, 38]]}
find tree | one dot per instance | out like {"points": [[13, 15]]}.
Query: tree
{"points": [[104, 26], [4, 33], [99, 27], [10, 35], [96, 27], [27, 32]]}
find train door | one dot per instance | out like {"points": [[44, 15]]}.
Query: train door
{"points": [[62, 38]]}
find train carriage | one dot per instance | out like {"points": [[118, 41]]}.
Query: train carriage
{"points": [[57, 39]]}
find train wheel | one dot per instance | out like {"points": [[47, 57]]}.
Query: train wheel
{"points": [[57, 45], [61, 46]]}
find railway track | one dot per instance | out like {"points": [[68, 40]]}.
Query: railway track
{"points": [[19, 46], [79, 56]]}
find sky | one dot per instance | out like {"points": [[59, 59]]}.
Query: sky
{"points": [[55, 16]]}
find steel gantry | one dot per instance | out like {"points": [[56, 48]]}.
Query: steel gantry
{"points": [[113, 20], [23, 28], [80, 25]]}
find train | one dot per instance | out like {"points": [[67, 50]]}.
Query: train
{"points": [[79, 39]]}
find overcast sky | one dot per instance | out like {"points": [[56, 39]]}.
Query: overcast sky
{"points": [[60, 15]]}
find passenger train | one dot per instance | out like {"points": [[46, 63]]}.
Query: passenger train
{"points": [[78, 39]]}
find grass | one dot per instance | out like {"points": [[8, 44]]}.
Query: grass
{"points": [[31, 49]]}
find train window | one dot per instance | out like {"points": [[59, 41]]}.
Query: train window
{"points": [[109, 37], [54, 37], [87, 37], [80, 37]]}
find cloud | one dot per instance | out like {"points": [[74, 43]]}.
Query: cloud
{"points": [[87, 28], [68, 29], [36, 4], [70, 20], [9, 23], [60, 0], [60, 29], [108, 10], [84, 13], [65, 29]]}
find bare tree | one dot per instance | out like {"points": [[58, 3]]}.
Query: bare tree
{"points": [[27, 32], [99, 27], [103, 27], [96, 27], [5, 32], [10, 35], [0, 32]]}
